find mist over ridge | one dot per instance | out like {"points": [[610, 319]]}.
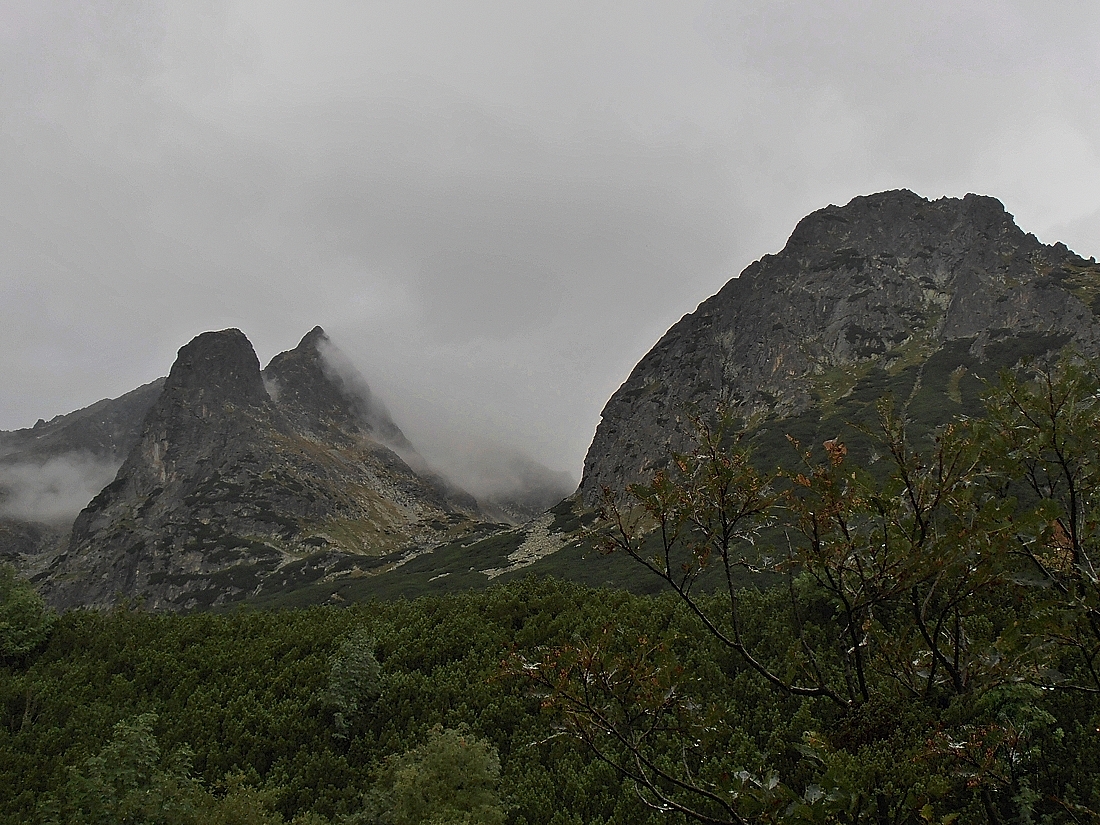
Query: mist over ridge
{"points": [[480, 462], [54, 490]]}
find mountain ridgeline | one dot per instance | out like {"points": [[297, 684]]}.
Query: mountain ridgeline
{"points": [[890, 294], [293, 485]]}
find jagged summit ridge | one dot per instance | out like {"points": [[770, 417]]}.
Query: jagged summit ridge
{"points": [[305, 389], [227, 486], [883, 282], [320, 395]]}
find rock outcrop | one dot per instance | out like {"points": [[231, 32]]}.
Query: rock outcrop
{"points": [[229, 484], [328, 399], [883, 283]]}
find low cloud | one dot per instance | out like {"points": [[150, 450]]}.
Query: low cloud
{"points": [[476, 463], [501, 477], [54, 491], [496, 472], [369, 408]]}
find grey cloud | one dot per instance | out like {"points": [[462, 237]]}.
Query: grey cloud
{"points": [[507, 482], [55, 490], [368, 406]]}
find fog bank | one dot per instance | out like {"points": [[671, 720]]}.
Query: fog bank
{"points": [[53, 491]]}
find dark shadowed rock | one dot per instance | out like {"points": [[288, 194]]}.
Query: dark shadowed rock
{"points": [[215, 368], [29, 546], [305, 392], [883, 283], [212, 401]]}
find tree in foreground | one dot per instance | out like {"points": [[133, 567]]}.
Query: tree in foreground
{"points": [[130, 780], [25, 621], [926, 613], [449, 780]]}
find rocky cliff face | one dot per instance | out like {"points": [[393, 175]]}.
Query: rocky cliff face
{"points": [[327, 399], [231, 484], [884, 284]]}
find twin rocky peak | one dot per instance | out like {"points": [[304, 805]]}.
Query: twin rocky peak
{"points": [[240, 473]]}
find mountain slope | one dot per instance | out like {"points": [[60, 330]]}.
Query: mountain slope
{"points": [[891, 295], [860, 300], [106, 429], [48, 472]]}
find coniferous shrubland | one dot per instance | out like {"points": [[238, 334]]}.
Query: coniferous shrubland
{"points": [[254, 710], [912, 638]]}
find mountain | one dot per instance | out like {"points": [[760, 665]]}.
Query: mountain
{"points": [[48, 472], [890, 294], [293, 485], [324, 398], [106, 430], [242, 479]]}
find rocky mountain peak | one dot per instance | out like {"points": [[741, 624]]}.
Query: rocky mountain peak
{"points": [[213, 395], [306, 387], [321, 391], [230, 489], [893, 219], [859, 292], [216, 368]]}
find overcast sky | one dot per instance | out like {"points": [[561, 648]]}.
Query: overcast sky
{"points": [[495, 208]]}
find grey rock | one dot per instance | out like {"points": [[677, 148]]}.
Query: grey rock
{"points": [[226, 486], [887, 279], [326, 398]]}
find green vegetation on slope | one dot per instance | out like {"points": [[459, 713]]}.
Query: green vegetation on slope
{"points": [[938, 621]]}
